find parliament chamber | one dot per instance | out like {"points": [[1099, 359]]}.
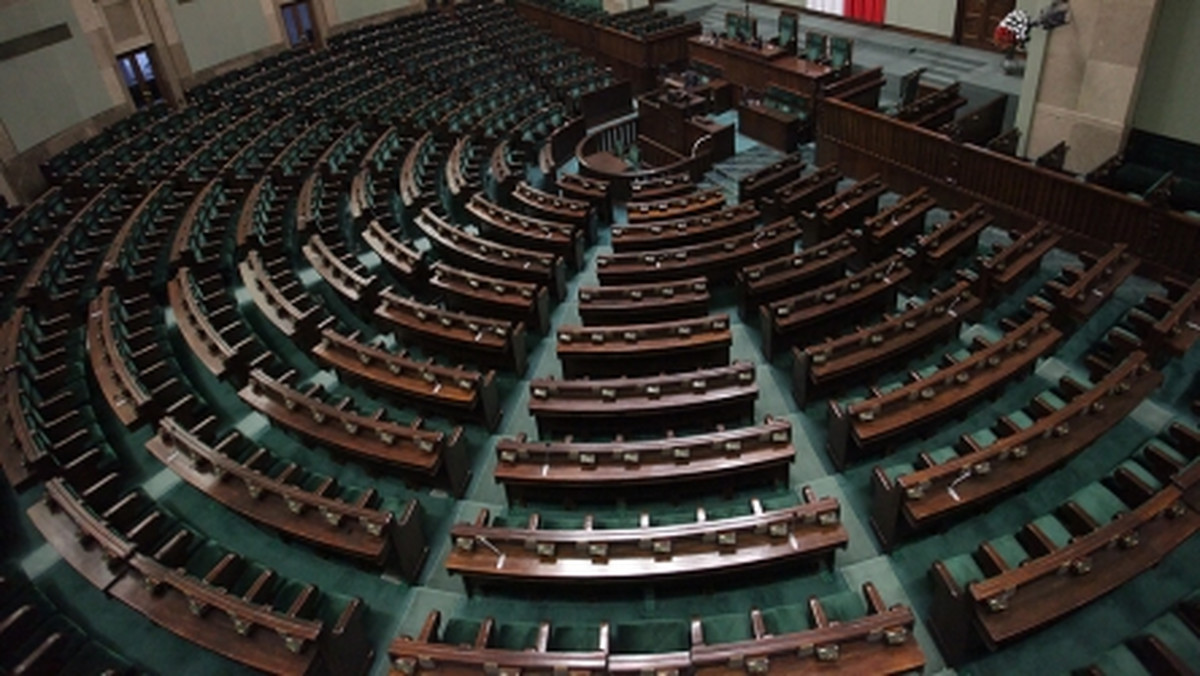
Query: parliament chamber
{"points": [[539, 337]]}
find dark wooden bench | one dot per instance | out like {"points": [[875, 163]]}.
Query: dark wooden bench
{"points": [[763, 182], [343, 272], [661, 187], [879, 642], [453, 390], [644, 349], [367, 436], [1056, 565], [793, 273], [571, 469], [1008, 266], [1080, 292], [951, 240], [810, 316], [803, 194], [247, 479], [937, 490], [895, 226], [676, 207], [727, 222], [592, 190], [716, 260], [402, 259], [209, 323], [493, 342], [652, 402], [556, 207], [279, 296], [519, 230], [843, 211], [638, 303], [490, 258], [823, 368], [885, 418], [934, 110], [491, 297], [528, 553]]}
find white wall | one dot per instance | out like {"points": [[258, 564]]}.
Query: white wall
{"points": [[52, 88], [215, 31], [1169, 102], [353, 10], [927, 16]]}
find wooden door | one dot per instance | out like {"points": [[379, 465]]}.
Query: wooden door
{"points": [[977, 21]]}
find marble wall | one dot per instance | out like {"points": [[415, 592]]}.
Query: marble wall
{"points": [[1090, 78]]}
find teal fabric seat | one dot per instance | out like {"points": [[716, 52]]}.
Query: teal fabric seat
{"points": [[1100, 503], [787, 619], [564, 638], [1054, 529], [1135, 468], [1120, 661], [727, 628], [651, 636], [1178, 637], [943, 454], [1010, 550], [894, 472], [1021, 419], [927, 372], [984, 438], [963, 569], [844, 606], [1052, 400], [515, 636], [961, 354], [457, 631]]}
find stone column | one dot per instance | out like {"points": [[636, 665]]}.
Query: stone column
{"points": [[1088, 85]]}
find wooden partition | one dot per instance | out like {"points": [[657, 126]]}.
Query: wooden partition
{"points": [[1088, 216]]}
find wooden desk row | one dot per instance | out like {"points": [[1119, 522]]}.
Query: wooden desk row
{"points": [[887, 418], [793, 273], [802, 194], [127, 357], [823, 368], [517, 302], [279, 295], [652, 402], [644, 349], [247, 479], [342, 271], [210, 324], [660, 188], [368, 436], [231, 607], [487, 341], [717, 260], [675, 207], [1078, 292], [595, 191], [727, 222], [1056, 432], [470, 252], [422, 384], [577, 212], [566, 240], [763, 182], [640, 303], [1104, 536], [484, 552], [877, 642], [812, 315]]}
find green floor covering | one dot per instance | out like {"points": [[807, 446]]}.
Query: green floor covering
{"points": [[901, 576]]}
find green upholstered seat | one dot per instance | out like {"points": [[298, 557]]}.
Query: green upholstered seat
{"points": [[844, 606], [927, 371], [651, 636], [787, 619], [1054, 530], [515, 635], [984, 438], [457, 631], [1120, 661], [943, 454], [1135, 468], [727, 628], [1100, 503], [573, 638], [1021, 419], [963, 569], [1052, 400], [1178, 637], [1010, 550], [894, 472]]}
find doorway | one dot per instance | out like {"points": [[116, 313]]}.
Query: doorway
{"points": [[137, 71], [297, 19], [977, 21]]}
